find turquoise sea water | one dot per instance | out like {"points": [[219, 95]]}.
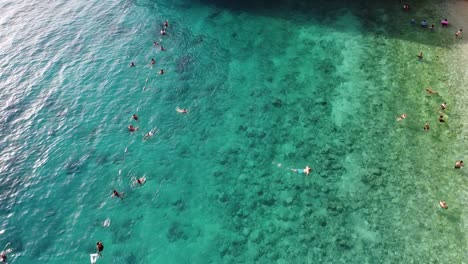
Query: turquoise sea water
{"points": [[269, 89]]}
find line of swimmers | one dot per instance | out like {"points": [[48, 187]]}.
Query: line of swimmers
{"points": [[139, 181]]}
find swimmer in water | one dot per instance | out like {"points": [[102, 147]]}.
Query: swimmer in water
{"points": [[307, 170], [131, 128], [153, 61], [459, 164], [182, 111], [459, 33], [115, 193], [432, 27], [132, 64], [162, 48], [166, 24], [135, 117], [424, 23], [150, 134], [139, 181], [405, 7], [163, 32], [420, 56], [426, 126], [161, 72], [403, 116], [3, 256], [443, 106], [444, 22], [430, 91], [443, 205], [441, 119], [99, 247]]}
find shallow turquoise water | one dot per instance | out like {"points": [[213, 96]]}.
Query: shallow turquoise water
{"points": [[268, 90]]}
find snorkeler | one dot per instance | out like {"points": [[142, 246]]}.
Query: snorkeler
{"points": [[182, 111], [403, 116], [307, 170], [459, 164]]}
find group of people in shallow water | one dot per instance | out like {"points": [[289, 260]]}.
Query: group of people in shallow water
{"points": [[444, 23], [424, 24], [131, 128]]}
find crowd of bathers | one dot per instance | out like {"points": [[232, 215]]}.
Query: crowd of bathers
{"points": [[424, 24], [444, 23]]}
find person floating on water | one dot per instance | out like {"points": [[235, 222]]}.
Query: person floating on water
{"points": [[459, 33], [430, 91], [307, 170], [426, 126], [99, 246], [420, 56], [115, 193], [182, 111], [443, 106], [132, 64], [135, 117], [459, 164], [161, 72], [131, 128], [403, 116], [443, 205]]}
